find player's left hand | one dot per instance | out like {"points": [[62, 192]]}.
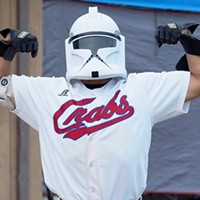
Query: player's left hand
{"points": [[172, 33], [168, 34]]}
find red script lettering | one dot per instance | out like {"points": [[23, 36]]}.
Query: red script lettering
{"points": [[74, 127]]}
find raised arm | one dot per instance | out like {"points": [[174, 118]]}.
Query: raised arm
{"points": [[13, 41], [173, 33], [194, 86]]}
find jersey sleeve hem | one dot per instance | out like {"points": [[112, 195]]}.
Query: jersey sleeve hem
{"points": [[182, 106]]}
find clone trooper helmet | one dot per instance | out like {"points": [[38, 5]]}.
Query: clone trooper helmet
{"points": [[95, 48]]}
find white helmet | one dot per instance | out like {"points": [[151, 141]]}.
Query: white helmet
{"points": [[95, 48]]}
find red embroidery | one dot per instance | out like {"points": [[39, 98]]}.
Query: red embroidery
{"points": [[74, 126]]}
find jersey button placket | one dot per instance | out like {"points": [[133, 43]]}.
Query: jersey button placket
{"points": [[93, 184], [91, 189], [92, 169]]}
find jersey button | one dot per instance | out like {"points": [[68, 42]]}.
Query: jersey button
{"points": [[92, 190], [91, 164]]}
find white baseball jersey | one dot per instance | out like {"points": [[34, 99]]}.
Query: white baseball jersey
{"points": [[95, 143]]}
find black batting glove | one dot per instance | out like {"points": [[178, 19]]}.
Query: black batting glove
{"points": [[168, 34], [20, 41], [173, 33]]}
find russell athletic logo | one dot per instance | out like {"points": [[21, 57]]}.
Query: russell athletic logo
{"points": [[74, 127]]}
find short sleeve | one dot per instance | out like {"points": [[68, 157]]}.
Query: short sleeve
{"points": [[32, 96], [166, 93], [25, 99]]}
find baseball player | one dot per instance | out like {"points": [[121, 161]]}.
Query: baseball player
{"points": [[95, 124]]}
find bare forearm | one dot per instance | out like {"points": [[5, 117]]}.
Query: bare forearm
{"points": [[5, 67], [194, 64], [194, 86]]}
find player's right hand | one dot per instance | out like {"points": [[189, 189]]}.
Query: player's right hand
{"points": [[20, 41]]}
